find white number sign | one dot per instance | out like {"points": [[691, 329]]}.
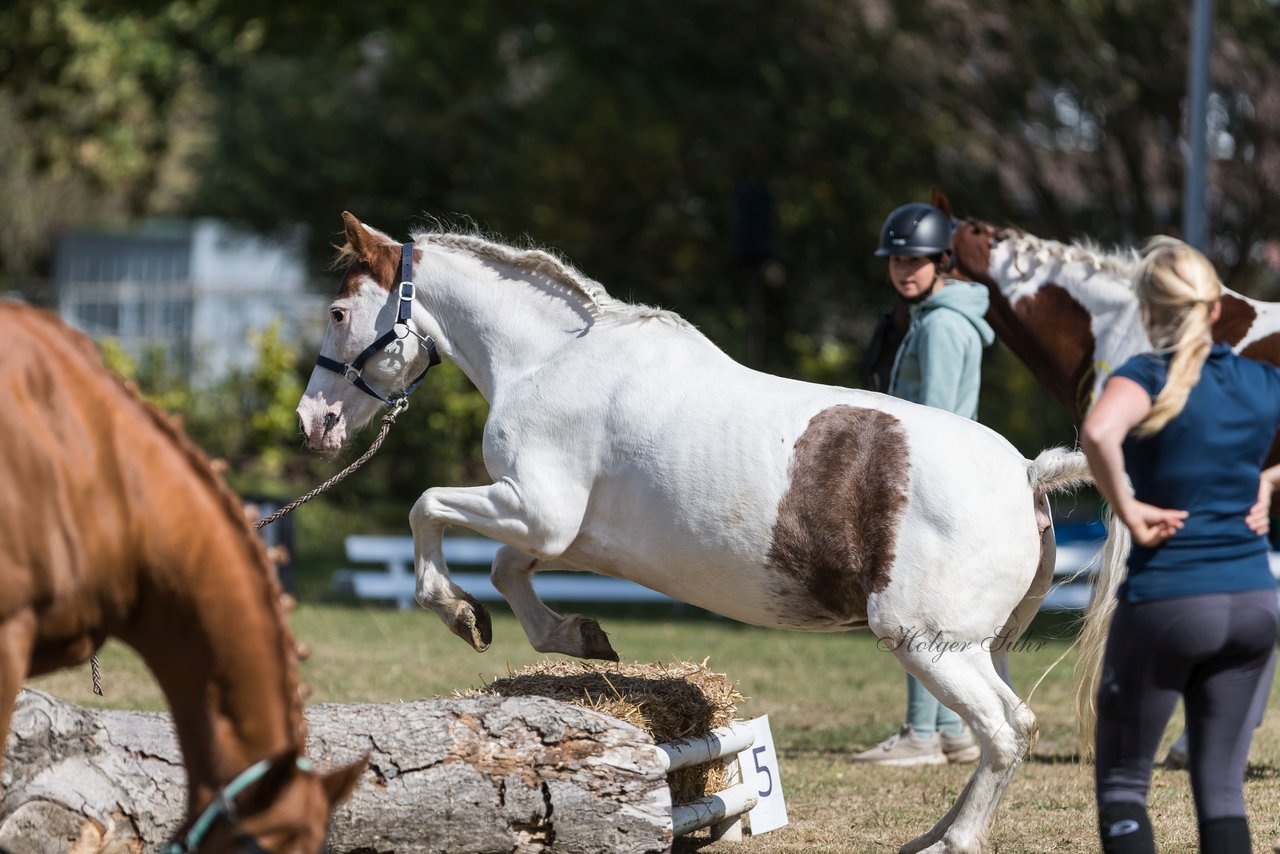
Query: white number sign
{"points": [[760, 762]]}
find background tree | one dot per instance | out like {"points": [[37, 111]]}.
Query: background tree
{"points": [[621, 135], [105, 115]]}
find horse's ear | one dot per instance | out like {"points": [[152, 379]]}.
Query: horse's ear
{"points": [[356, 234], [264, 792], [339, 784], [941, 202]]}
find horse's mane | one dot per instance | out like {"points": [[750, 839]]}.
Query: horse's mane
{"points": [[1030, 252], [231, 505], [545, 263]]}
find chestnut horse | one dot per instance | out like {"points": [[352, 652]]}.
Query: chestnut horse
{"points": [[115, 525], [622, 441]]}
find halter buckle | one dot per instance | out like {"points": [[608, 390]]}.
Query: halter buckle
{"points": [[406, 291], [350, 373]]}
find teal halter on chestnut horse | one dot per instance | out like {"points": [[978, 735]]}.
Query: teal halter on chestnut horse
{"points": [[114, 525]]}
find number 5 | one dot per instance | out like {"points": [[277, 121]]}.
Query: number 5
{"points": [[755, 756]]}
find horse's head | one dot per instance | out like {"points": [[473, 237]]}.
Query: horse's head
{"points": [[971, 242], [373, 347], [282, 809]]}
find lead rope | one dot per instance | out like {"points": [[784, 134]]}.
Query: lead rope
{"points": [[387, 420]]}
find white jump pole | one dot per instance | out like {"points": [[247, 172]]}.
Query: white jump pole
{"points": [[697, 749], [724, 809], [711, 809]]}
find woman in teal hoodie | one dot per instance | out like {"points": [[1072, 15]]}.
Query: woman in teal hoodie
{"points": [[939, 363]]}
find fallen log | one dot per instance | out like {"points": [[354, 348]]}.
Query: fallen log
{"points": [[463, 774]]}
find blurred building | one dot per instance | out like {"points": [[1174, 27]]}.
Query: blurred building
{"points": [[192, 289]]}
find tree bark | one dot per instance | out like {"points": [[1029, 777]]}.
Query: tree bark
{"points": [[469, 774]]}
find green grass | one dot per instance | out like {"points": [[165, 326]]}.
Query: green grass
{"points": [[826, 696]]}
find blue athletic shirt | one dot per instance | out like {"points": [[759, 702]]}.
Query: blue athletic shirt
{"points": [[1206, 461]]}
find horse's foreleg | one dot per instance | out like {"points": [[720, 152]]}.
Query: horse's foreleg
{"points": [[547, 631], [495, 511], [17, 635]]}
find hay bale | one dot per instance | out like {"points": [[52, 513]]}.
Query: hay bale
{"points": [[668, 701]]}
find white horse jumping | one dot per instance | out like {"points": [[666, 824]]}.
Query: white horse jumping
{"points": [[622, 441]]}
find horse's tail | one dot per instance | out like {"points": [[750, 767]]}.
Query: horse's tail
{"points": [[1097, 624], [1054, 470], [1058, 469]]}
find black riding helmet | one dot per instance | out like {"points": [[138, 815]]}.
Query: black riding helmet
{"points": [[915, 229]]}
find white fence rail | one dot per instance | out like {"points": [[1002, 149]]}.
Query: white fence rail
{"points": [[395, 581]]}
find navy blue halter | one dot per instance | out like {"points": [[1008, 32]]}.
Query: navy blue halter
{"points": [[351, 371]]}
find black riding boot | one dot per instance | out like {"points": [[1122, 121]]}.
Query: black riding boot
{"points": [[1125, 829], [1225, 836]]}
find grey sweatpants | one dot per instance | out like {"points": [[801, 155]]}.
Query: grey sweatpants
{"points": [[1210, 650]]}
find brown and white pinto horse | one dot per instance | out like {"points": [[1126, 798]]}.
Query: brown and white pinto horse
{"points": [[622, 441], [114, 525], [1068, 311]]}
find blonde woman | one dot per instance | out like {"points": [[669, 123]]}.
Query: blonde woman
{"points": [[1196, 616]]}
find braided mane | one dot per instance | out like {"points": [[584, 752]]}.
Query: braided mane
{"points": [[1031, 252]]}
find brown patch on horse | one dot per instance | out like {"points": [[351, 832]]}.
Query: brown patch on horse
{"points": [[1234, 324], [1266, 349], [368, 254], [1056, 343], [837, 523]]}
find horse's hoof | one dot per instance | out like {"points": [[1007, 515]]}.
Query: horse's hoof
{"points": [[471, 623], [942, 846], [595, 642]]}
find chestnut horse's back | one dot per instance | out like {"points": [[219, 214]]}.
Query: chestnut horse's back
{"points": [[71, 437], [56, 392]]}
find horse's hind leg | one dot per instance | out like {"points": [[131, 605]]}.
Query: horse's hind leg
{"points": [[547, 631], [1022, 615], [966, 681]]}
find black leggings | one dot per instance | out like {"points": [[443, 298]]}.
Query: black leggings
{"points": [[1212, 651]]}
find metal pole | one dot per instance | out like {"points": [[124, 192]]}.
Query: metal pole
{"points": [[1194, 219]]}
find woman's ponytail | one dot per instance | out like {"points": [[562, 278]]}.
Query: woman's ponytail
{"points": [[1177, 287]]}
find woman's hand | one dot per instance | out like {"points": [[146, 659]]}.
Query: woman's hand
{"points": [[1259, 518], [1151, 525]]}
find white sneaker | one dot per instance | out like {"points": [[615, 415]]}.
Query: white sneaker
{"points": [[961, 748], [904, 748]]}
